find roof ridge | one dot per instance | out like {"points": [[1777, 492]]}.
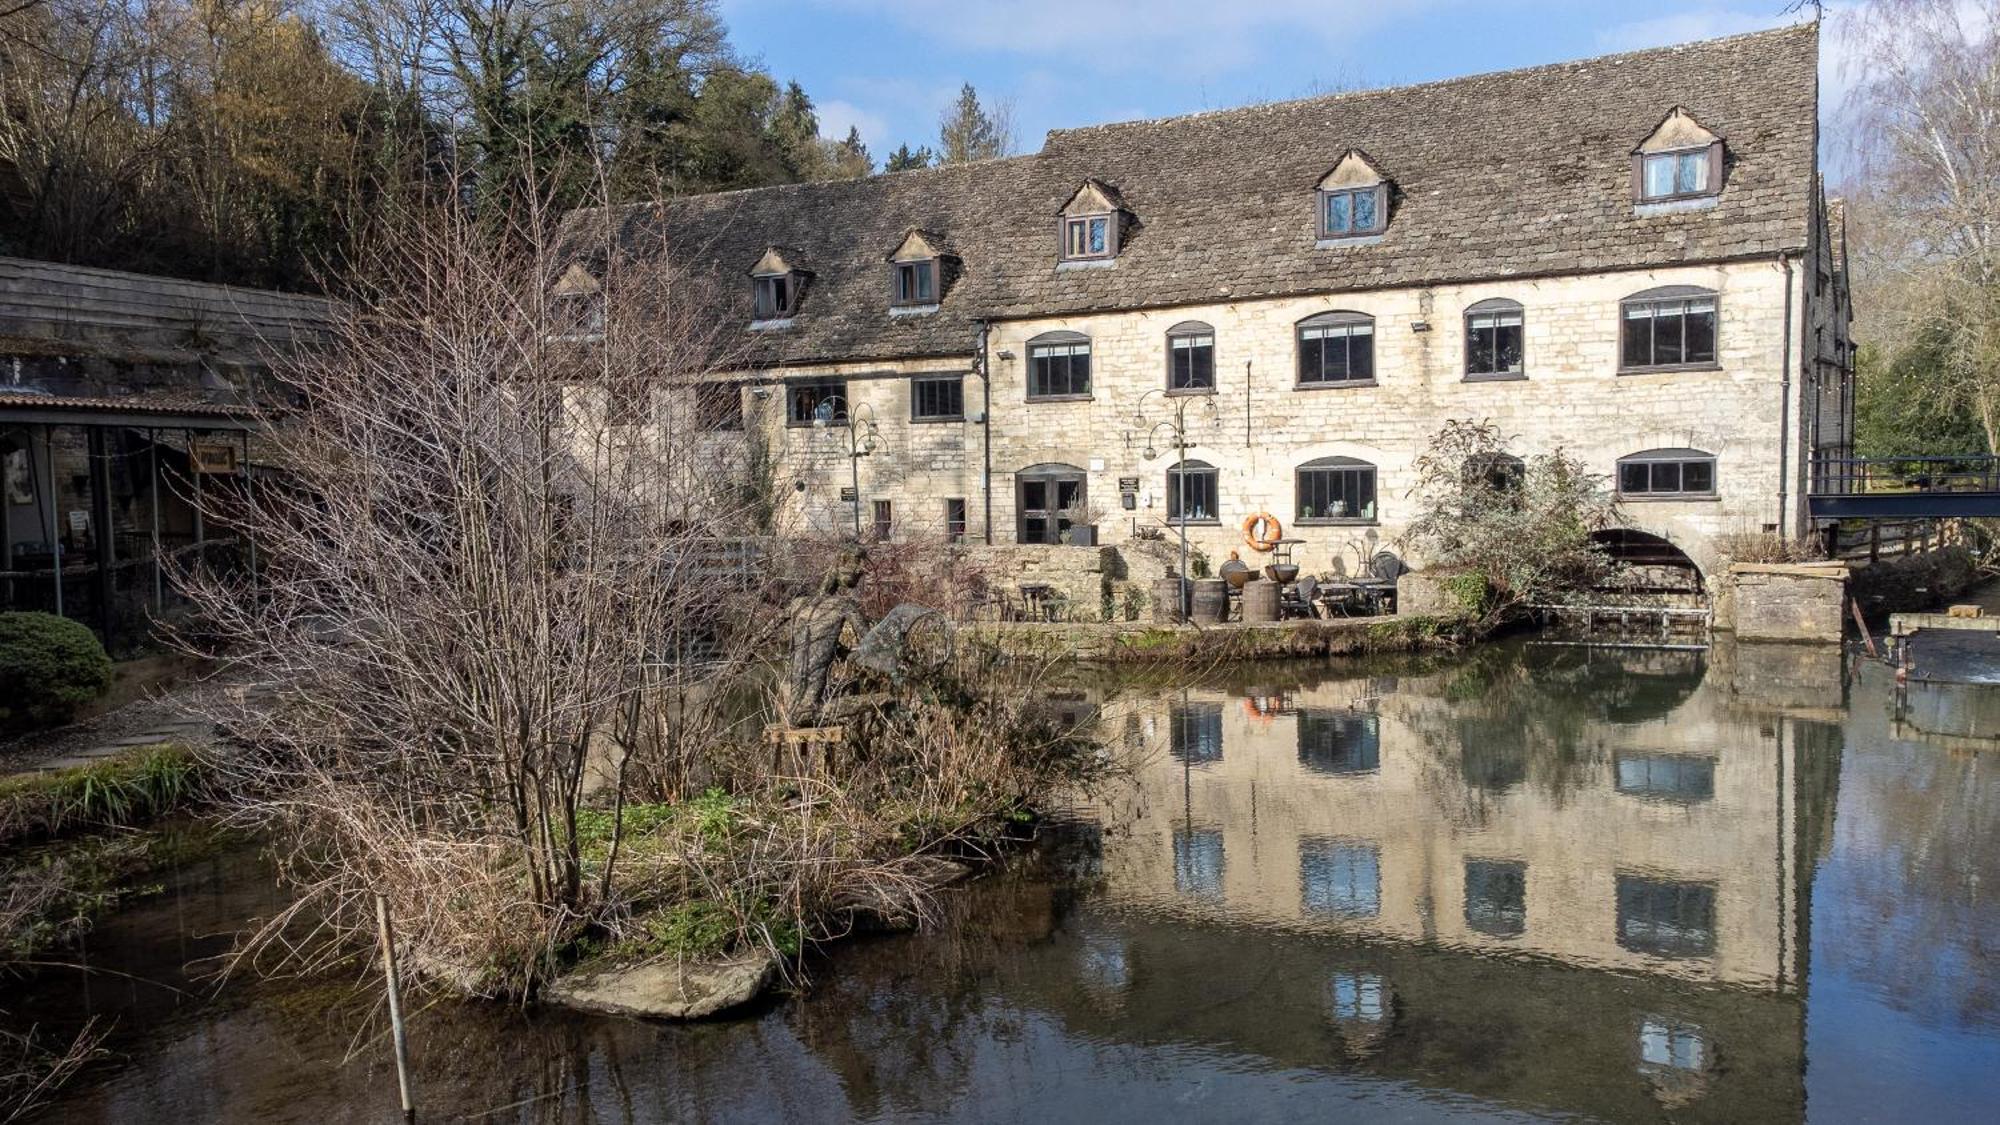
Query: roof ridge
{"points": [[1806, 26]]}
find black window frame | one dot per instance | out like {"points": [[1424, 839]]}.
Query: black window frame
{"points": [[1082, 222], [719, 407], [1051, 477], [1199, 475], [1336, 465], [1495, 309], [1655, 461], [882, 520], [1323, 201], [793, 391], [921, 385], [1657, 301], [1191, 337], [775, 296], [1339, 324], [903, 293], [1666, 917], [954, 519], [1044, 349]]}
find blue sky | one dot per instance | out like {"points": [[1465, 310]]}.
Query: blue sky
{"points": [[889, 66]]}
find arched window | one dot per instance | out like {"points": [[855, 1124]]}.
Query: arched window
{"points": [[1493, 340], [1667, 474], [1058, 366], [1045, 497], [1191, 357], [1192, 496], [1335, 490], [1666, 329], [1336, 349]]}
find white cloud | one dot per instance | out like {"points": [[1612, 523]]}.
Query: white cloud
{"points": [[836, 117]]}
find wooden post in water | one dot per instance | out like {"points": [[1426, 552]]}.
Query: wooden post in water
{"points": [[395, 1006]]}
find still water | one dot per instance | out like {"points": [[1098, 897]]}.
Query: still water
{"points": [[1741, 885]]}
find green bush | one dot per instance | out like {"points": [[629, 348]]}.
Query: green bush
{"points": [[49, 666]]}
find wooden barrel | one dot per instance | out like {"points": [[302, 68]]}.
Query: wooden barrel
{"points": [[1260, 600], [1169, 600], [1210, 602]]}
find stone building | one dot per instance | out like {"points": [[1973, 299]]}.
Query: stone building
{"points": [[1630, 258]]}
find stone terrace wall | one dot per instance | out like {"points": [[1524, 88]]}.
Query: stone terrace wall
{"points": [[1785, 603]]}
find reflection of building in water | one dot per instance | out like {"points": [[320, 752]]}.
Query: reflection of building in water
{"points": [[1607, 810], [1307, 874]]}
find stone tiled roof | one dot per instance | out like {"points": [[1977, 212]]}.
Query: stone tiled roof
{"points": [[1525, 172]]}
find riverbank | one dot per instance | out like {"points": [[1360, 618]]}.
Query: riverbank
{"points": [[1144, 642]]}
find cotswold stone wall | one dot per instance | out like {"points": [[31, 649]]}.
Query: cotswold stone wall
{"points": [[1082, 577], [1785, 603], [1258, 426]]}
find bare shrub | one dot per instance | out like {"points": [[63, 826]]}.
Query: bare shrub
{"points": [[31, 1072], [1768, 547], [1521, 529], [500, 539]]}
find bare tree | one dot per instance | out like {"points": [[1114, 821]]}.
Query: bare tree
{"points": [[1925, 124], [501, 531]]}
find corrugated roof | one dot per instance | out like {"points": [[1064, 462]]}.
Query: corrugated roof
{"points": [[1519, 173]]}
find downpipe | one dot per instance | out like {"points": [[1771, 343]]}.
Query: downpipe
{"points": [[1785, 410]]}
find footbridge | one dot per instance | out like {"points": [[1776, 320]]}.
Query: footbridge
{"points": [[1904, 488]]}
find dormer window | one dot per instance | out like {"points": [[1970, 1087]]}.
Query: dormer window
{"points": [[776, 283], [1089, 224], [576, 306], [1680, 160], [776, 296], [916, 283], [1353, 199], [918, 272]]}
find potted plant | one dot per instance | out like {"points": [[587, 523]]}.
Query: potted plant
{"points": [[1082, 530]]}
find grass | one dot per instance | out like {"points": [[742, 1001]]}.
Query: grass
{"points": [[118, 792]]}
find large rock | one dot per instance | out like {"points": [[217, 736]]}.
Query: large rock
{"points": [[666, 990]]}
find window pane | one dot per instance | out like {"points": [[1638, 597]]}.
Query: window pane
{"points": [[1339, 212], [1339, 742], [1361, 352], [1638, 328], [1311, 362], [1496, 897], [1079, 371], [1364, 210], [1666, 476], [1507, 345], [1668, 321], [1698, 476], [1097, 235], [1700, 329], [1659, 176], [1479, 350], [1634, 477], [925, 289], [1198, 862], [1340, 879], [1693, 173]]}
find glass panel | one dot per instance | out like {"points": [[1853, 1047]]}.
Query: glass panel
{"points": [[1079, 370], [1204, 364], [1496, 897], [1672, 776], [1638, 350], [1339, 212], [1666, 476], [1698, 476], [1035, 529], [1340, 879], [1069, 493], [925, 288], [1700, 329], [1339, 742], [1693, 173], [1361, 353], [1668, 320], [1359, 997], [1312, 361], [1196, 733], [1198, 862], [1364, 210], [1097, 235], [1507, 345], [1034, 496], [1666, 919], [1479, 359], [1659, 176], [1634, 478], [1075, 238]]}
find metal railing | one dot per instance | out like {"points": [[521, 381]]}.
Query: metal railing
{"points": [[1847, 476]]}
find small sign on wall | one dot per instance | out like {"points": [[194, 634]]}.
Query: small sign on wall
{"points": [[849, 496], [1128, 492], [215, 458]]}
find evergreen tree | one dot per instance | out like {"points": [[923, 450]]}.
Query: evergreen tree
{"points": [[849, 159], [795, 133], [905, 158], [967, 131]]}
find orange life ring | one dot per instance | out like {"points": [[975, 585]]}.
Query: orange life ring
{"points": [[1262, 531]]}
